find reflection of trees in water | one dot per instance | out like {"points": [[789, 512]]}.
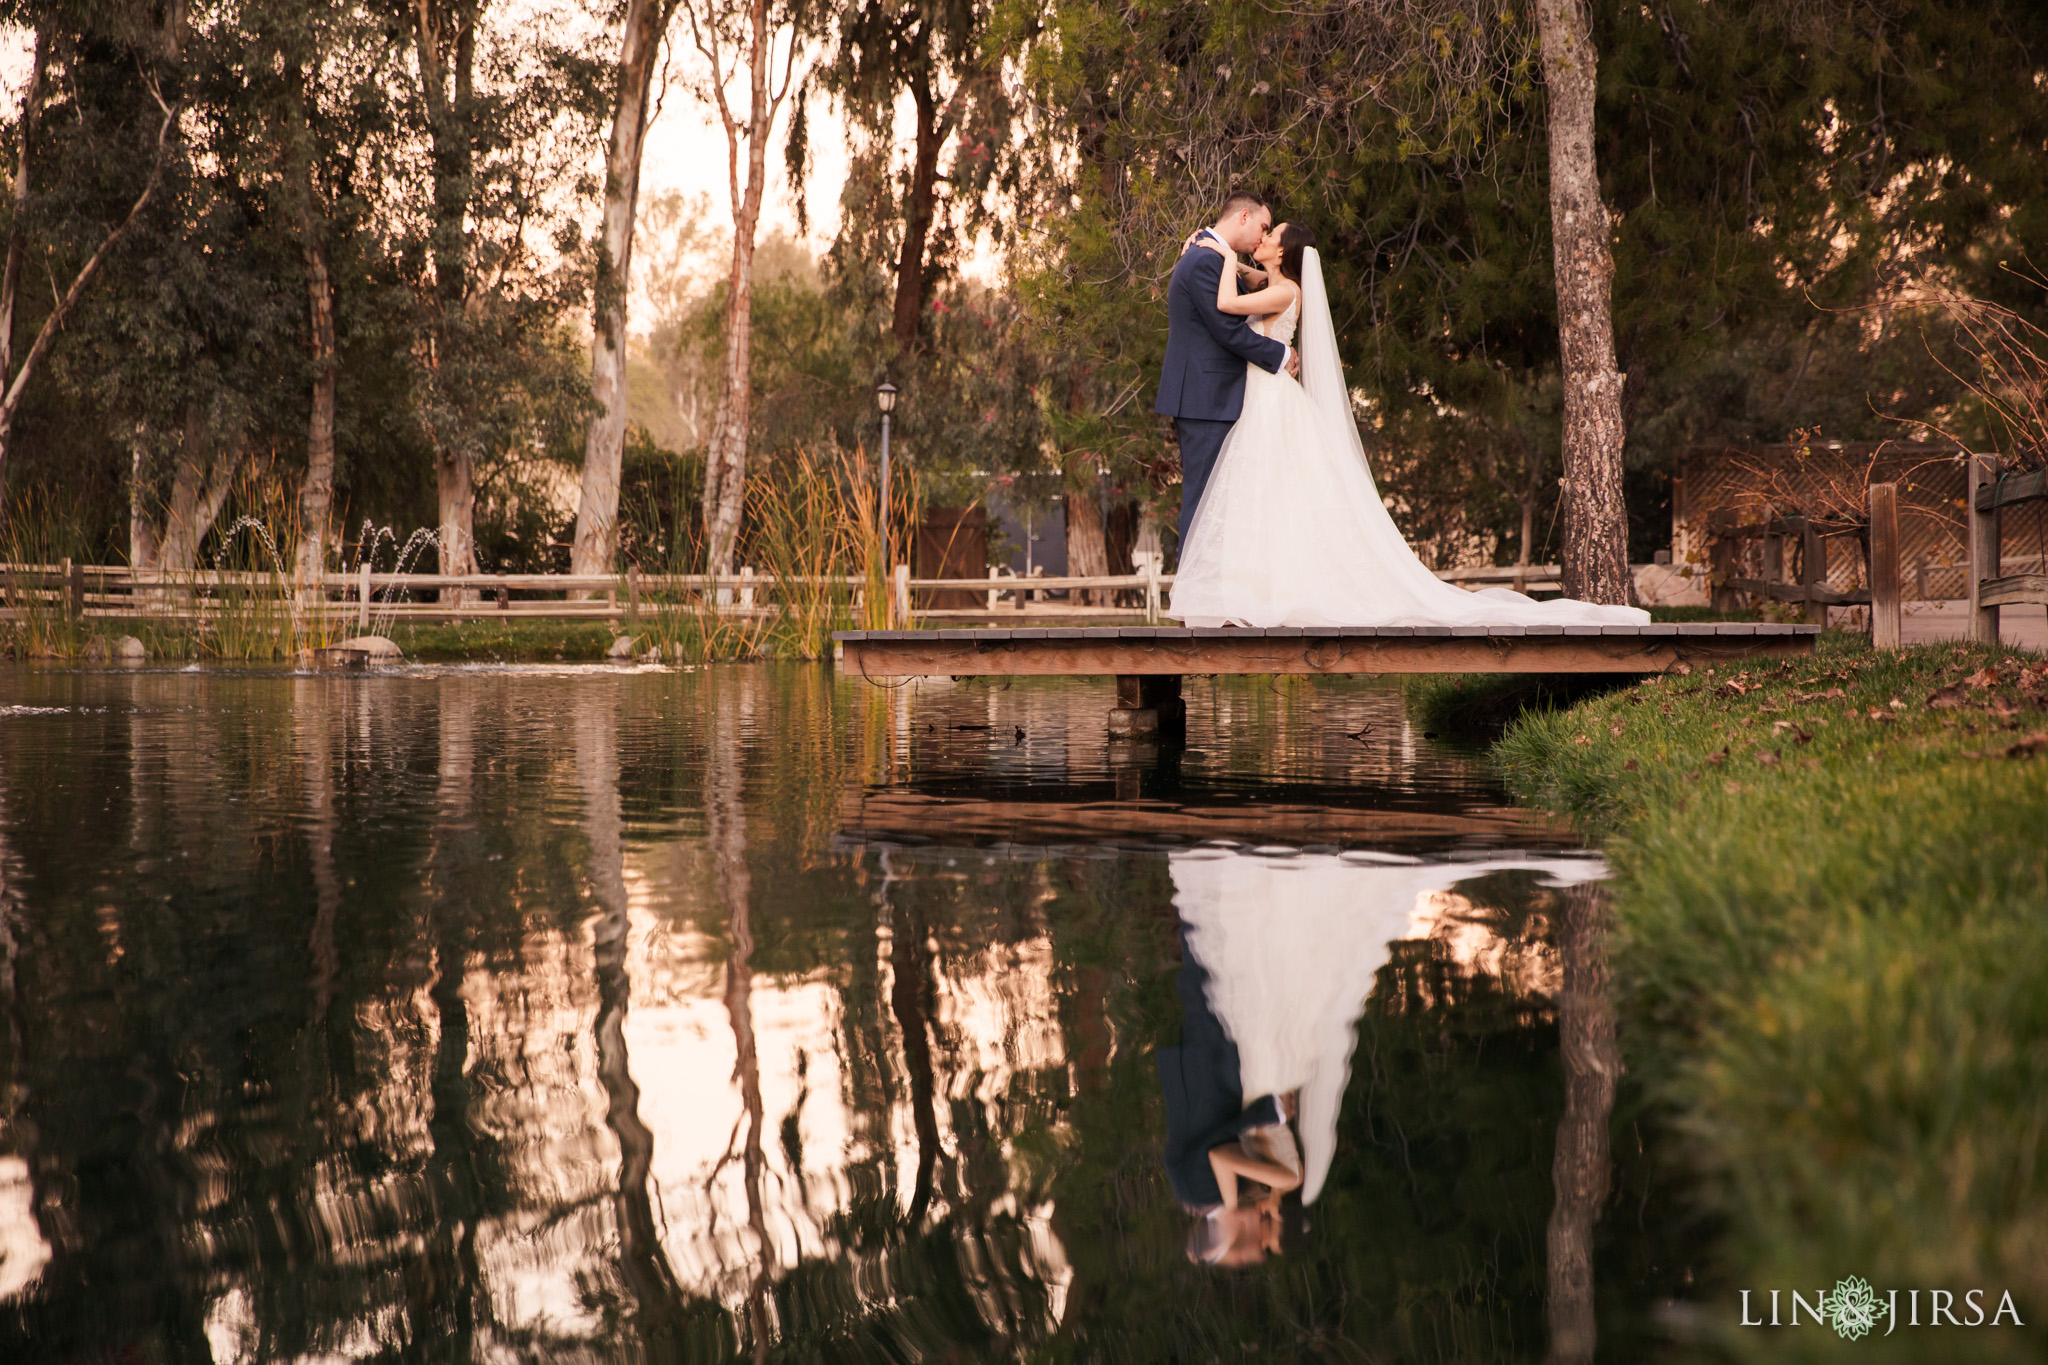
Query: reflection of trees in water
{"points": [[1580, 1169], [406, 1162]]}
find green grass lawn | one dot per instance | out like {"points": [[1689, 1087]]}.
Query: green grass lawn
{"points": [[1831, 905]]}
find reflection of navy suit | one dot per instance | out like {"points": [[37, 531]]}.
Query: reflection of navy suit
{"points": [[1201, 386], [1204, 1094]]}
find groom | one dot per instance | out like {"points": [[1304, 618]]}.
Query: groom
{"points": [[1201, 386]]}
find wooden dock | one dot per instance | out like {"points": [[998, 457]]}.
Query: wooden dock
{"points": [[1148, 662], [1136, 651]]}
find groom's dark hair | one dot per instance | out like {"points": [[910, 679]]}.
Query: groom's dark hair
{"points": [[1239, 199]]}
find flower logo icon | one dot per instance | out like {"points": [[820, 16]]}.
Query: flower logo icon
{"points": [[1853, 1308]]}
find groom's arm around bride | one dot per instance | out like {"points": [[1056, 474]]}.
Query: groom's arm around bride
{"points": [[1201, 385]]}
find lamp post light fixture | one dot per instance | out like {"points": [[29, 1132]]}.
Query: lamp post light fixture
{"points": [[885, 403]]}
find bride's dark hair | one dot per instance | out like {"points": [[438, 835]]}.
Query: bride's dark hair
{"points": [[1294, 239]]}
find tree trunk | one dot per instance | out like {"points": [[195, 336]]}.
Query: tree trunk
{"points": [[197, 496], [457, 500], [1087, 546], [597, 512], [17, 236], [1595, 550], [725, 466], [316, 494], [1580, 1165], [447, 79], [145, 551], [917, 214]]}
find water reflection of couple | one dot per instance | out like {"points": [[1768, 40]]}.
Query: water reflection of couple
{"points": [[1278, 957]]}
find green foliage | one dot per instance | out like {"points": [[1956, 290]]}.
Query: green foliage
{"points": [[1830, 876]]}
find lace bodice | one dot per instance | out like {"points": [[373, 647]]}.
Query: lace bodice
{"points": [[1280, 326]]}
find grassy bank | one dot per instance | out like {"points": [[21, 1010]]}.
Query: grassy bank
{"points": [[1832, 948]]}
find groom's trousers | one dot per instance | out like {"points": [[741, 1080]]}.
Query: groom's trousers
{"points": [[1200, 442]]}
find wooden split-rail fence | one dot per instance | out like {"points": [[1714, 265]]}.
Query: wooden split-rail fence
{"points": [[111, 591], [1990, 491]]}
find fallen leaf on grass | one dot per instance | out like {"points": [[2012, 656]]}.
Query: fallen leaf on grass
{"points": [[1828, 695], [2002, 706], [1878, 713], [1718, 758], [1767, 756], [1614, 729], [2028, 747], [1732, 788], [1629, 766], [1949, 698], [1581, 739]]}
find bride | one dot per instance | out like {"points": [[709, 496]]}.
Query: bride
{"points": [[1291, 530]]}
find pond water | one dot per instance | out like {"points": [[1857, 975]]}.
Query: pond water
{"points": [[756, 1013]]}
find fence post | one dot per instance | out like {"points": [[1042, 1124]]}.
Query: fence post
{"points": [[1151, 592], [746, 585], [633, 593], [1885, 620], [1774, 558], [363, 597], [74, 575], [899, 607], [1984, 527], [1720, 561], [1813, 570], [992, 576]]}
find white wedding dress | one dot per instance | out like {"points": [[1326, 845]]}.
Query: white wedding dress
{"points": [[1291, 530], [1293, 946]]}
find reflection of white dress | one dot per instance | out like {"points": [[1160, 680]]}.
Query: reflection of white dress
{"points": [[1291, 530], [1292, 946]]}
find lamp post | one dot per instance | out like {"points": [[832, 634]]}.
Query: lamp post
{"points": [[885, 403]]}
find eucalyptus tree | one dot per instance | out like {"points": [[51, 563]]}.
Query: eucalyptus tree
{"points": [[936, 55], [75, 227], [497, 121], [597, 513], [740, 39]]}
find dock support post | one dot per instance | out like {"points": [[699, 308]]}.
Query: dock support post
{"points": [[1982, 627], [1885, 619], [363, 597], [1148, 704]]}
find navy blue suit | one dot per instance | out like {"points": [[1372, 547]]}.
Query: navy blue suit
{"points": [[1201, 385], [1205, 1105]]}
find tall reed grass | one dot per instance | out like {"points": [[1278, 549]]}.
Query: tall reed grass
{"points": [[812, 529], [39, 624], [256, 616]]}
